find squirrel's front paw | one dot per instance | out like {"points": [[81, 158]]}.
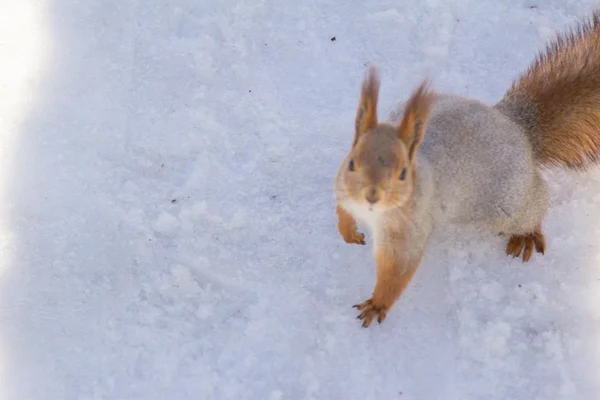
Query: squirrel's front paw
{"points": [[347, 227], [354, 237], [370, 309]]}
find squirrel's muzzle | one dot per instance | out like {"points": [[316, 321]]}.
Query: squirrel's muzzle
{"points": [[372, 194]]}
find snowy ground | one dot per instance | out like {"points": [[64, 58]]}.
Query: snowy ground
{"points": [[167, 228]]}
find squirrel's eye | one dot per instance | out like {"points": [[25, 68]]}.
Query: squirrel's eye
{"points": [[351, 165], [403, 174]]}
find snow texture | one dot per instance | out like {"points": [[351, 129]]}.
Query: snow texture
{"points": [[167, 228]]}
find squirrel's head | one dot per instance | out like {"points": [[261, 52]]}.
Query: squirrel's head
{"points": [[379, 171]]}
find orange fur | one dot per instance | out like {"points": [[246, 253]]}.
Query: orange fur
{"points": [[557, 100], [393, 276], [347, 227], [366, 116], [416, 112]]}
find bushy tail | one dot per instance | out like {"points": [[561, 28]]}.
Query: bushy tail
{"points": [[557, 100]]}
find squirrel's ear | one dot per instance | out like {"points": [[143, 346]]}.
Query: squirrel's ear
{"points": [[416, 114], [366, 116]]}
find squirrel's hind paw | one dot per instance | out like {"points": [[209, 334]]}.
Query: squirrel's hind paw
{"points": [[526, 243]]}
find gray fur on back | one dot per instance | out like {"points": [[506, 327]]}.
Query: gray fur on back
{"points": [[481, 165]]}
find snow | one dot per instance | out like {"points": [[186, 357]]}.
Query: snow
{"points": [[168, 229]]}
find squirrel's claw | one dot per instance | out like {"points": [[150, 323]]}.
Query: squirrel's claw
{"points": [[369, 312], [526, 243], [355, 237]]}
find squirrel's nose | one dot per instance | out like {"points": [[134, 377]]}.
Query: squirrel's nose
{"points": [[372, 195]]}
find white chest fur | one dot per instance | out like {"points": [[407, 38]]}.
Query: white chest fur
{"points": [[364, 215]]}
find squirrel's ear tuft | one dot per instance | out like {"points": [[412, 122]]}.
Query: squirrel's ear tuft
{"points": [[416, 114], [366, 116]]}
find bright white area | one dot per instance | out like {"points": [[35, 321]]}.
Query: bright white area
{"points": [[167, 223], [22, 54]]}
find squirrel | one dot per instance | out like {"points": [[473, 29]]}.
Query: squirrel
{"points": [[449, 159]]}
